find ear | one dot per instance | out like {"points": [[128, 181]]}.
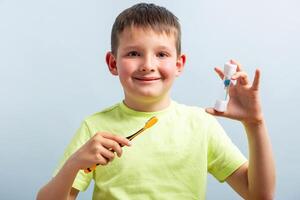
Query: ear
{"points": [[180, 64], [111, 63]]}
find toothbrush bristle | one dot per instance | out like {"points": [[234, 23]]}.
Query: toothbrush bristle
{"points": [[151, 122]]}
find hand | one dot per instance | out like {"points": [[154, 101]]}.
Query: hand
{"points": [[244, 103], [99, 150]]}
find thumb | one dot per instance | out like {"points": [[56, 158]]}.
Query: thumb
{"points": [[212, 111]]}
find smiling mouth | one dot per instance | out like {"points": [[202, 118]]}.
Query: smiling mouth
{"points": [[147, 78]]}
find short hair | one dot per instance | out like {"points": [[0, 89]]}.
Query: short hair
{"points": [[144, 15]]}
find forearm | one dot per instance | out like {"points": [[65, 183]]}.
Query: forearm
{"points": [[60, 186], [261, 170]]}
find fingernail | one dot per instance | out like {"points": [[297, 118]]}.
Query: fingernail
{"points": [[129, 143]]}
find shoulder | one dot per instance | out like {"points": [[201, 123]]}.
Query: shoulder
{"points": [[194, 116], [192, 111], [102, 115]]}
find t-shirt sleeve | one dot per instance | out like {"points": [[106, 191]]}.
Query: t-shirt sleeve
{"points": [[82, 135], [223, 156]]}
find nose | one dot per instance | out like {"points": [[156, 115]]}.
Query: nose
{"points": [[148, 64]]}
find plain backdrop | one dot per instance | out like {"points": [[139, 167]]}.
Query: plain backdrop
{"points": [[53, 75]]}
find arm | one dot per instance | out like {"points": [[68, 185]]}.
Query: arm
{"points": [[99, 149], [60, 187], [256, 179], [73, 194]]}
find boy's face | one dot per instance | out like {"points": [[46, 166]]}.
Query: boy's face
{"points": [[146, 63]]}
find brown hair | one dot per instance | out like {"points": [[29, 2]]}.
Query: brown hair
{"points": [[144, 15]]}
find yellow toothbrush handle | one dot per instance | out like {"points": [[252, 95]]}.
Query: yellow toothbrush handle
{"points": [[90, 169]]}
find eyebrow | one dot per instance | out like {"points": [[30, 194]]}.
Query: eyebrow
{"points": [[139, 47], [131, 47], [164, 47]]}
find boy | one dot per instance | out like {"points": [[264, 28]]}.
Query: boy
{"points": [[170, 160]]}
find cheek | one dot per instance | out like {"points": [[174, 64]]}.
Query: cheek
{"points": [[125, 69], [169, 69]]}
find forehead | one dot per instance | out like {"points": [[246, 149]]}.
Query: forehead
{"points": [[140, 35]]}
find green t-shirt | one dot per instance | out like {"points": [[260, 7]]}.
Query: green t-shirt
{"points": [[168, 161]]}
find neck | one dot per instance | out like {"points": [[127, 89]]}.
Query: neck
{"points": [[146, 105]]}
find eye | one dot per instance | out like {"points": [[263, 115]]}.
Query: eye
{"points": [[162, 54], [133, 54]]}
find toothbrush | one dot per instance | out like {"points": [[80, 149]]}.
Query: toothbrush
{"points": [[147, 125]]}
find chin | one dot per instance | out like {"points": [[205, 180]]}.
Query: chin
{"points": [[149, 93]]}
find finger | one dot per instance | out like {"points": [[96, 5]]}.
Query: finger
{"points": [[242, 77], [239, 66], [256, 81], [212, 111], [112, 145], [219, 72], [119, 139], [107, 154], [102, 160]]}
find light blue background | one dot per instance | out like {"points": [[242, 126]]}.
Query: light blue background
{"points": [[53, 75]]}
